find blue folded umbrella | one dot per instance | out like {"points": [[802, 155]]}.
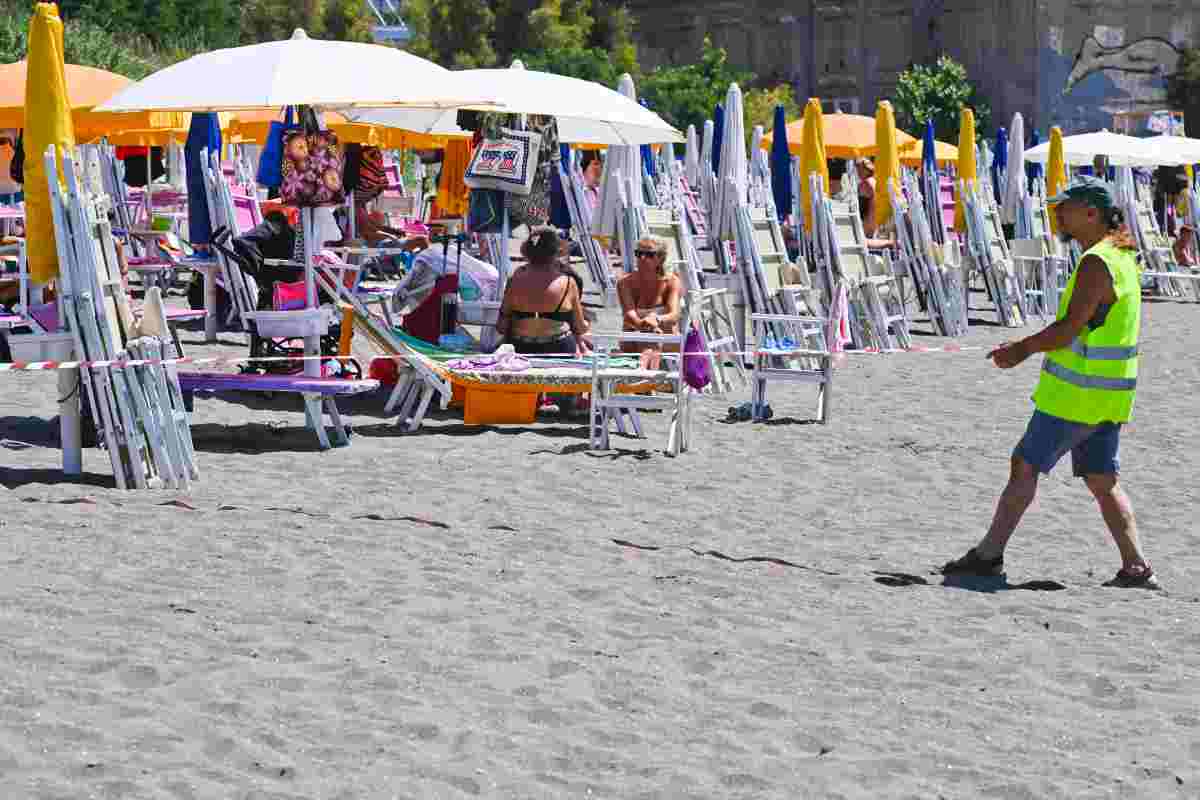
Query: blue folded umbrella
{"points": [[718, 137], [204, 133], [999, 161], [560, 215], [929, 150], [1032, 168], [781, 165]]}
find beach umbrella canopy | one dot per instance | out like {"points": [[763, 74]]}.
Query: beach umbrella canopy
{"points": [[887, 161], [812, 157], [781, 165], [253, 126], [204, 134], [86, 87], [586, 112], [733, 178], [48, 123], [1056, 172], [625, 161], [691, 157], [1082, 149], [1175, 150], [966, 163], [299, 71], [1015, 188], [845, 136]]}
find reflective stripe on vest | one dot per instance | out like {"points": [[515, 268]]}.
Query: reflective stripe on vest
{"points": [[1103, 353], [1088, 381]]}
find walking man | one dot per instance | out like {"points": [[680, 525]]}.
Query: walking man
{"points": [[1085, 392]]}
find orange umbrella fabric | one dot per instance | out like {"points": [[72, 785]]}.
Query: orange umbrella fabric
{"points": [[86, 87], [452, 191], [49, 123], [846, 136], [943, 153]]}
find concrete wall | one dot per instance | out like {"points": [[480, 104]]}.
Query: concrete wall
{"points": [[1019, 52]]}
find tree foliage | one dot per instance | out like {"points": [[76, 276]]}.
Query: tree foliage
{"points": [[760, 106], [1183, 90], [938, 92], [687, 94], [586, 63]]}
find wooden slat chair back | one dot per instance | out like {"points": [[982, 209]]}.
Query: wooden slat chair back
{"points": [[1036, 267], [787, 362], [879, 318]]}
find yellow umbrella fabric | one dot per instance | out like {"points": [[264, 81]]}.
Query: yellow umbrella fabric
{"points": [[86, 87], [48, 123], [943, 153], [1056, 173], [887, 162], [845, 136], [452, 191], [812, 156], [966, 163]]}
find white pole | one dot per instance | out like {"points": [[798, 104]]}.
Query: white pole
{"points": [[69, 424]]}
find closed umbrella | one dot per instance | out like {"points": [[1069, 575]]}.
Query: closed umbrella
{"points": [[812, 157], [706, 158], [47, 123], [691, 158], [1033, 169], [929, 149], [1015, 189], [623, 160], [1056, 172], [966, 163], [1000, 164], [733, 177], [718, 137], [887, 162], [781, 165], [204, 134]]}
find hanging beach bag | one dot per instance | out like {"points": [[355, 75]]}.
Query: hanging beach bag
{"points": [[485, 211], [507, 162], [270, 161], [312, 165], [696, 371], [372, 175], [531, 209]]}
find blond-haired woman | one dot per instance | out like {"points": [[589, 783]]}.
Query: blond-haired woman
{"points": [[650, 295]]}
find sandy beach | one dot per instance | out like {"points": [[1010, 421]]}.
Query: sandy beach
{"points": [[498, 612]]}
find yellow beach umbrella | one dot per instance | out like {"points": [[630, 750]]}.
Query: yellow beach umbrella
{"points": [[1056, 173], [887, 161], [86, 87], [47, 123], [845, 136], [812, 156], [966, 163], [914, 154]]}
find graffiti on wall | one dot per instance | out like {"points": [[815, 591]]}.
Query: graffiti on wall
{"points": [[1153, 56]]}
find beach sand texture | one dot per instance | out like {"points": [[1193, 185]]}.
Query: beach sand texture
{"points": [[451, 614]]}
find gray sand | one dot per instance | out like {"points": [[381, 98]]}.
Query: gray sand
{"points": [[448, 614]]}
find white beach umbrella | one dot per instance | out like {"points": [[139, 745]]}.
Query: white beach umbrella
{"points": [[733, 179], [691, 158], [299, 71], [625, 161], [586, 112], [1122, 151], [1175, 150], [1014, 187]]}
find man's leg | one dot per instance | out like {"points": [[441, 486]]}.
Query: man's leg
{"points": [[1014, 501], [1118, 516]]}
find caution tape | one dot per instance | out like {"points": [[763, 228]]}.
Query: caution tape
{"points": [[40, 366]]}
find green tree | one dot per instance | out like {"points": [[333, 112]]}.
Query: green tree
{"points": [[453, 33], [587, 63], [938, 92], [1183, 90], [347, 21], [272, 20], [687, 94], [760, 105]]}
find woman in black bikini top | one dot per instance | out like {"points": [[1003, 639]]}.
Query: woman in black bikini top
{"points": [[523, 322]]}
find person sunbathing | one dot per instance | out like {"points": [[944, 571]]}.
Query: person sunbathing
{"points": [[650, 298], [542, 311]]}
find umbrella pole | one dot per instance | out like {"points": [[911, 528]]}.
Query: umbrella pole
{"points": [[149, 191]]}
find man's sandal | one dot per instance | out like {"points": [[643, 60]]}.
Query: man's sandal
{"points": [[1137, 578], [974, 564]]}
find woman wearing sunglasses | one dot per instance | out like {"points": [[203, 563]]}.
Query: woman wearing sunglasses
{"points": [[649, 295]]}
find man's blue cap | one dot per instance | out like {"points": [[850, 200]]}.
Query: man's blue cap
{"points": [[1088, 190]]}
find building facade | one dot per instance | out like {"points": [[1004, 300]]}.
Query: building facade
{"points": [[1073, 63]]}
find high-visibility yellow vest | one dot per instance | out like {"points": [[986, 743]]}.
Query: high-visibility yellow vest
{"points": [[1093, 379]]}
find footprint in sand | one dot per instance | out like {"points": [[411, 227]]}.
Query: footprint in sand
{"points": [[139, 676]]}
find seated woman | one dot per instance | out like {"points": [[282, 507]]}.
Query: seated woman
{"points": [[542, 311], [649, 296]]}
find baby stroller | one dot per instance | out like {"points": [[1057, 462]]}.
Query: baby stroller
{"points": [[270, 282]]}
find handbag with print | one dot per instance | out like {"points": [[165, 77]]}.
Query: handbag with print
{"points": [[312, 166], [507, 162]]}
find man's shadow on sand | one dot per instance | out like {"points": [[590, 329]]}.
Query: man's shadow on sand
{"points": [[973, 583]]}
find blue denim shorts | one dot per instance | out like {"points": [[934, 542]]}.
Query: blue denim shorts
{"points": [[1093, 447]]}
